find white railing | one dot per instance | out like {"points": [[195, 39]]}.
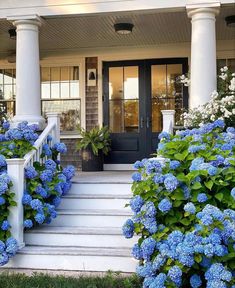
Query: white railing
{"points": [[15, 170]]}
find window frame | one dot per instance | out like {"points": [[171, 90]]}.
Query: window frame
{"points": [[64, 62]]}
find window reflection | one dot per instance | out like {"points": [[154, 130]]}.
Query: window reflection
{"points": [[123, 99]]}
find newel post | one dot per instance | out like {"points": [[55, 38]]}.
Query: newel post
{"points": [[15, 170], [168, 120], [54, 118]]}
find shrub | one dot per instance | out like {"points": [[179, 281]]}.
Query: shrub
{"points": [[184, 210], [46, 182]]}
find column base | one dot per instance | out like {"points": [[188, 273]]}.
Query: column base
{"points": [[39, 120]]}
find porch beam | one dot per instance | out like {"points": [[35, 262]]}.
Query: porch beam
{"points": [[203, 52], [28, 86]]}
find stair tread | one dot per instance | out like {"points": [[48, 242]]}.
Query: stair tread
{"points": [[77, 230], [106, 212], [89, 251], [97, 196], [103, 177]]}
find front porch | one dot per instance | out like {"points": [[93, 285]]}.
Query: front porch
{"points": [[65, 59]]}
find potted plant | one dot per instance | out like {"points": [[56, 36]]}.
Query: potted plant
{"points": [[94, 144]]}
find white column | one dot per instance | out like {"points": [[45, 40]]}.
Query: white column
{"points": [[15, 170], [203, 53], [28, 87], [168, 119]]}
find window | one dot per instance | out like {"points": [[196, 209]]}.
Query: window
{"points": [[226, 62], [59, 93], [8, 90]]}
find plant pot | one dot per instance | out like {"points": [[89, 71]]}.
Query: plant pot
{"points": [[91, 162]]}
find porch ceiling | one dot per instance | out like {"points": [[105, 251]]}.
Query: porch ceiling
{"points": [[77, 32]]}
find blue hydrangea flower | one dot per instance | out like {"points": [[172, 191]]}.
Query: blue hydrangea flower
{"points": [[2, 201], [5, 225], [233, 193], [190, 208], [165, 205], [31, 173], [36, 204], [50, 165], [46, 175], [174, 164], [170, 182], [136, 203], [46, 150], [138, 164], [175, 274], [26, 199], [202, 197], [6, 125], [69, 172], [128, 229], [39, 218], [28, 223], [164, 135], [148, 247], [149, 209], [212, 171], [2, 161], [137, 252], [60, 147], [136, 177]]}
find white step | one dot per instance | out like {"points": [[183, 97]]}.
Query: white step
{"points": [[91, 218], [78, 237], [73, 258], [100, 188], [94, 201]]}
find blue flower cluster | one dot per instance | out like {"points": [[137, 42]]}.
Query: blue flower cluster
{"points": [[183, 209]]}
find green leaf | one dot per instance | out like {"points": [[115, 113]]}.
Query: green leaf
{"points": [[185, 222], [219, 196], [196, 186], [209, 184]]}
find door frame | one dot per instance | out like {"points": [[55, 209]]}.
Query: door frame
{"points": [[144, 90]]}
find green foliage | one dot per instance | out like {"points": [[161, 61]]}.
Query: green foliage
{"points": [[98, 139]]}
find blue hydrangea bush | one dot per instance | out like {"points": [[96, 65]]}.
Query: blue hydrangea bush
{"points": [[184, 210], [46, 182], [8, 245]]}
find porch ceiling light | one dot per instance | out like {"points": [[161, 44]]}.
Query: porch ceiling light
{"points": [[123, 28], [12, 33], [230, 21]]}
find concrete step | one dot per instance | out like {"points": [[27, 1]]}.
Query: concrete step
{"points": [[100, 188], [78, 237], [91, 218], [94, 201], [73, 258]]}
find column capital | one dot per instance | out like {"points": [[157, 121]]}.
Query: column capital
{"points": [[26, 19], [203, 8]]}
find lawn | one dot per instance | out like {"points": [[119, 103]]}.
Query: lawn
{"points": [[110, 280]]}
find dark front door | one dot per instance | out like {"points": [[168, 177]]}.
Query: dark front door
{"points": [[135, 92]]}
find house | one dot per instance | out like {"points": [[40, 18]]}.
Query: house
{"points": [[112, 63]]}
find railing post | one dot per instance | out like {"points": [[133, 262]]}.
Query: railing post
{"points": [[168, 120], [15, 170], [54, 118]]}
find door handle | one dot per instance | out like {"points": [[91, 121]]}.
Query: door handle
{"points": [[148, 122], [141, 122]]}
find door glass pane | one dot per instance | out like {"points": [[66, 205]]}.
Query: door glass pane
{"points": [[174, 89], [159, 92], [166, 92], [123, 99], [116, 109], [131, 96]]}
